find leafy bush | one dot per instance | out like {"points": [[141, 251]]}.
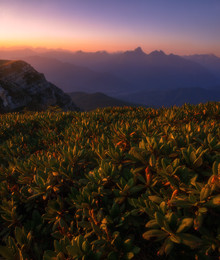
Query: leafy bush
{"points": [[116, 183]]}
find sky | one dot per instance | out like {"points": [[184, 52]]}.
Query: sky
{"points": [[174, 26]]}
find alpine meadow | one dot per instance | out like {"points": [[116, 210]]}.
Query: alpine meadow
{"points": [[116, 183], [109, 130]]}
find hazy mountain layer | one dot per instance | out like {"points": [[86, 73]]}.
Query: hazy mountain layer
{"points": [[152, 79], [209, 61], [127, 71], [87, 102], [71, 78], [173, 97], [144, 71]]}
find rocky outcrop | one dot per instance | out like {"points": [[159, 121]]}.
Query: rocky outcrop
{"points": [[21, 86]]}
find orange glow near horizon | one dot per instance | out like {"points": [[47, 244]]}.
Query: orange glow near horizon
{"points": [[111, 26], [93, 46]]}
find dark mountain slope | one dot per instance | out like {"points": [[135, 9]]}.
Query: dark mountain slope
{"points": [[22, 86], [87, 102]]}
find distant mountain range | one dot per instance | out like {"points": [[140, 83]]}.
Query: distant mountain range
{"points": [[21, 86], [133, 76], [87, 101], [123, 72], [71, 78]]}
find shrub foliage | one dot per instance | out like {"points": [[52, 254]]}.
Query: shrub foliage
{"points": [[116, 183]]}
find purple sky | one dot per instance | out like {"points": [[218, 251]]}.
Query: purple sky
{"points": [[181, 27]]}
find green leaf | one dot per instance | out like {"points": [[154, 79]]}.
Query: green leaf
{"points": [[136, 189], [159, 218], [205, 192], [198, 162], [192, 157], [168, 246], [214, 202], [193, 180], [6, 253], [190, 240], [175, 238], [49, 255], [19, 235], [63, 224], [155, 199], [183, 203], [172, 219], [203, 210], [185, 224], [163, 207], [216, 168], [39, 181], [36, 195], [169, 169], [152, 160], [73, 250], [86, 246], [152, 224], [155, 234]]}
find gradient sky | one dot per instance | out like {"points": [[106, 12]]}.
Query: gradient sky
{"points": [[178, 26]]}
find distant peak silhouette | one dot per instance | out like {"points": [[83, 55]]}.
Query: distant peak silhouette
{"points": [[139, 50], [136, 52], [157, 53]]}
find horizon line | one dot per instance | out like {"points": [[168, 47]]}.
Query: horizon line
{"points": [[43, 49]]}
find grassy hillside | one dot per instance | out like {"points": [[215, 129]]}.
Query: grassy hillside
{"points": [[91, 101], [119, 183]]}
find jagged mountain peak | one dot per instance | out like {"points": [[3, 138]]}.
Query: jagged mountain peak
{"points": [[157, 53], [139, 50], [136, 52]]}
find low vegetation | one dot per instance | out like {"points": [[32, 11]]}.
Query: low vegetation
{"points": [[116, 183]]}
